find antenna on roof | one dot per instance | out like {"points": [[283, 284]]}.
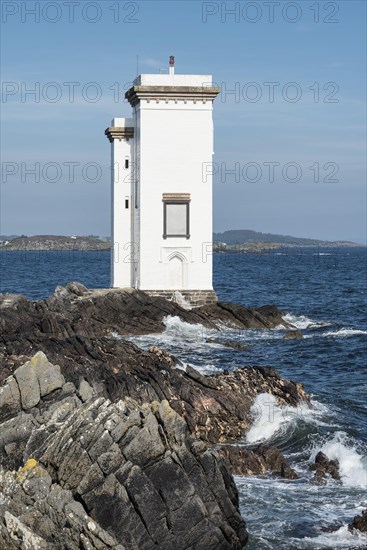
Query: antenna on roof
{"points": [[137, 65], [171, 64]]}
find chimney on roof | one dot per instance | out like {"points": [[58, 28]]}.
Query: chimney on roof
{"points": [[172, 64]]}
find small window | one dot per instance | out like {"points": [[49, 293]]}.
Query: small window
{"points": [[126, 203], [126, 163], [176, 215]]}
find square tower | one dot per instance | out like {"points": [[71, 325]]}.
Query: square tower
{"points": [[162, 187]]}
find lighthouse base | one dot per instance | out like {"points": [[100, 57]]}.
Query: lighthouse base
{"points": [[194, 298]]}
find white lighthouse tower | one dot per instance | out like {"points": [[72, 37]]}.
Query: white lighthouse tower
{"points": [[162, 187]]}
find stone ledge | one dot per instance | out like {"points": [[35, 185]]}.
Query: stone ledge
{"points": [[166, 93], [119, 132]]}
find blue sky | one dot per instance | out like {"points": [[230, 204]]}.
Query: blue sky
{"points": [[315, 62]]}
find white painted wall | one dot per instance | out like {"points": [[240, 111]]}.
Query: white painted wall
{"points": [[121, 217], [175, 141]]}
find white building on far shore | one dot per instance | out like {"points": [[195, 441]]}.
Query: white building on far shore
{"points": [[162, 187]]}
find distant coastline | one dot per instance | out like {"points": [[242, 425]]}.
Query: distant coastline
{"points": [[249, 239], [235, 241], [55, 242]]}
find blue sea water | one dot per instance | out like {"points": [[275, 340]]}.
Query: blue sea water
{"points": [[324, 294]]}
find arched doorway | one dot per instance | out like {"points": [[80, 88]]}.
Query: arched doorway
{"points": [[176, 271]]}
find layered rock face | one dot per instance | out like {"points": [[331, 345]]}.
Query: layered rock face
{"points": [[96, 474], [104, 445], [258, 461], [74, 329], [70, 321]]}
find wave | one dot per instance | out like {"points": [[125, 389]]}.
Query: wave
{"points": [[302, 322], [270, 418], [345, 332], [342, 538], [352, 465], [175, 327]]}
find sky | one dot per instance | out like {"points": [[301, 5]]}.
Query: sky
{"points": [[290, 123]]}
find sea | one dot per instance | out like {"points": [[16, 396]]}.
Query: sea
{"points": [[323, 293]]}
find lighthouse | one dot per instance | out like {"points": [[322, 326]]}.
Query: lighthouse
{"points": [[162, 187]]}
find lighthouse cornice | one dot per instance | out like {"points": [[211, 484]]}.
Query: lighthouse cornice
{"points": [[166, 93], [119, 132]]}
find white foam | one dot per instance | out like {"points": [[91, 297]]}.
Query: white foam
{"points": [[342, 538], [177, 328], [352, 465], [345, 332], [303, 322], [270, 418], [116, 335], [180, 300]]}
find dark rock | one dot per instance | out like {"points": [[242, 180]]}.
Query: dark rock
{"points": [[84, 486], [228, 343], [359, 522], [113, 423], [238, 316], [260, 460], [163, 356], [293, 334], [79, 339], [9, 398], [76, 288], [325, 466]]}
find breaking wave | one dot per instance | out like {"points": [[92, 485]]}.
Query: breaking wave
{"points": [[342, 538], [302, 322], [175, 327], [345, 332], [352, 464], [271, 419]]}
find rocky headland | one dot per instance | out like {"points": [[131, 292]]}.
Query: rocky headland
{"points": [[55, 242], [104, 445]]}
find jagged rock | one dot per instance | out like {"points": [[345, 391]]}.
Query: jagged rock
{"points": [[76, 288], [325, 466], [136, 469], [228, 343], [260, 460], [33, 380], [48, 376], [36, 513], [118, 475], [9, 398], [216, 408], [293, 334], [76, 333], [75, 310], [163, 355], [85, 391], [359, 522], [29, 388]]}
